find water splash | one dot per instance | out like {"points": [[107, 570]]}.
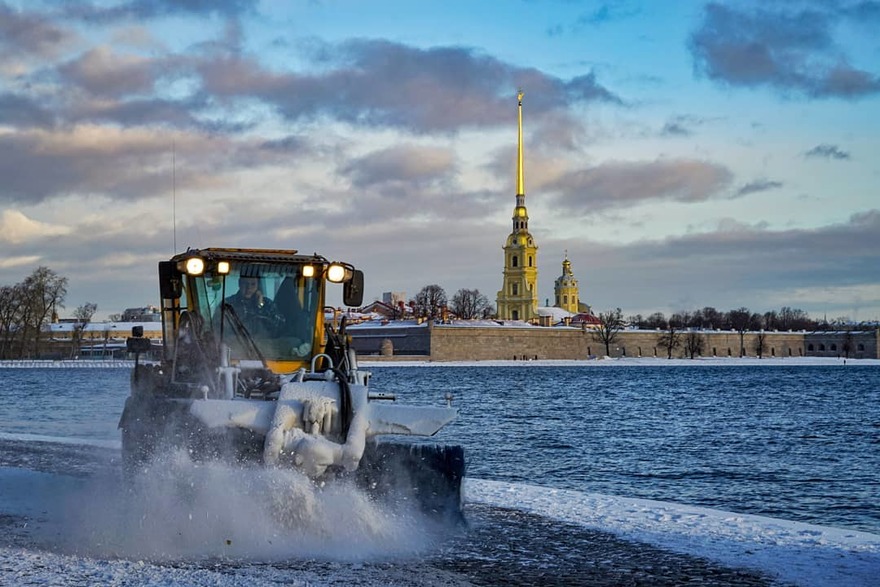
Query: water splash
{"points": [[177, 509]]}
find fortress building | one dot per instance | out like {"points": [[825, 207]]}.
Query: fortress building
{"points": [[566, 289], [518, 297]]}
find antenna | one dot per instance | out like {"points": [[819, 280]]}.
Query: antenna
{"points": [[173, 196]]}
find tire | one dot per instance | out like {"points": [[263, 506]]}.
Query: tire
{"points": [[137, 447], [429, 475]]}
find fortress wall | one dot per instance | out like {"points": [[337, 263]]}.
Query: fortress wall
{"points": [[462, 343], [454, 343], [404, 341]]}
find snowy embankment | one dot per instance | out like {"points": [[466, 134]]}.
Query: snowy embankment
{"points": [[793, 552]]}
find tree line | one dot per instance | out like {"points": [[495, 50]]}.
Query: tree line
{"points": [[709, 318], [27, 307], [682, 329], [467, 304]]}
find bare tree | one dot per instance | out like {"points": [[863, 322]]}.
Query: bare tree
{"points": [[25, 308], [469, 304], [760, 343], [429, 302], [671, 338], [711, 318], [740, 320], [656, 320], [12, 302], [610, 323], [794, 319], [635, 320], [82, 316], [694, 343]]}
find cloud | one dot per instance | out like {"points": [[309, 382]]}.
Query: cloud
{"points": [[29, 34], [147, 9], [792, 51], [401, 163], [384, 84], [102, 72], [613, 11], [16, 228], [827, 151], [21, 111], [618, 183], [735, 265], [759, 185], [121, 164], [675, 128], [20, 261], [682, 125]]}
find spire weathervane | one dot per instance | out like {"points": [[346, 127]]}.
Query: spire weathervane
{"points": [[520, 182]]}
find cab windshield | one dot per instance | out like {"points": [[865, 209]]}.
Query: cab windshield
{"points": [[262, 311]]}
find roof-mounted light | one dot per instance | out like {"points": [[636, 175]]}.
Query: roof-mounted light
{"points": [[308, 271], [337, 273], [223, 267], [194, 266]]}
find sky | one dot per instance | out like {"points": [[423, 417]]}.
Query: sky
{"points": [[682, 154]]}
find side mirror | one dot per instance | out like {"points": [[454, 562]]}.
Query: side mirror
{"points": [[170, 284], [353, 290], [136, 343]]}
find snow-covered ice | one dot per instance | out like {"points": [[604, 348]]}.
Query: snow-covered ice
{"points": [[802, 554]]}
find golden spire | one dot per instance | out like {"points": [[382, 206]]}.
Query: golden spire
{"points": [[520, 184]]}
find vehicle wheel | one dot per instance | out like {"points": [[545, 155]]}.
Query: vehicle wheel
{"points": [[431, 475], [137, 448]]}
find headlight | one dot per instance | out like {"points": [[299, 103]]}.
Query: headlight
{"points": [[336, 273], [223, 267], [308, 271], [195, 266]]}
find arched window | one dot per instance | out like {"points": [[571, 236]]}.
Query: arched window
{"points": [[861, 347], [514, 288], [810, 347], [530, 260], [821, 347], [515, 261], [515, 315], [833, 347], [565, 299]]}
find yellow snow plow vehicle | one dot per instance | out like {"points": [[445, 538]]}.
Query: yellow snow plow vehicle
{"points": [[252, 371]]}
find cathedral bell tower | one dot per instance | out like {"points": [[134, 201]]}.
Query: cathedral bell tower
{"points": [[566, 289], [518, 297]]}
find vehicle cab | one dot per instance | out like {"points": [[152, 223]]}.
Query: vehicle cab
{"points": [[252, 305]]}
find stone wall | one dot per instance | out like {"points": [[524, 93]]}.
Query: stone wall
{"points": [[455, 343], [405, 340], [462, 343]]}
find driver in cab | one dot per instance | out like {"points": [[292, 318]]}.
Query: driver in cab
{"points": [[256, 311]]}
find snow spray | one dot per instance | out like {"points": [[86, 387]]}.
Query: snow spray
{"points": [[178, 509]]}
